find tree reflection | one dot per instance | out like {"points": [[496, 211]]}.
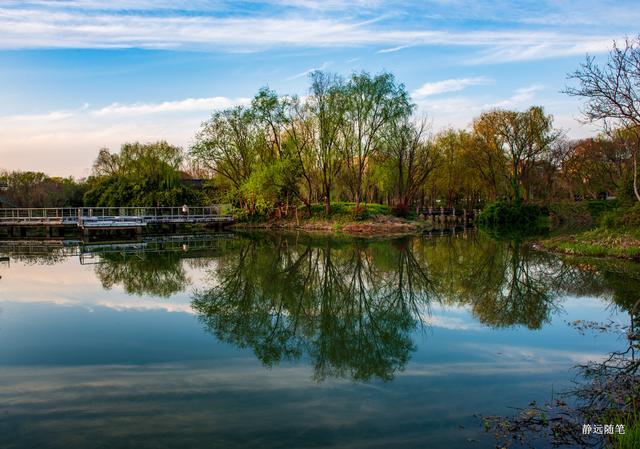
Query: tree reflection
{"points": [[351, 306], [144, 273], [331, 303]]}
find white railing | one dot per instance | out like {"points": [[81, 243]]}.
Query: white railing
{"points": [[94, 216]]}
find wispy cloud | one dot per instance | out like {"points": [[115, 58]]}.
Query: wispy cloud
{"points": [[394, 49], [308, 71], [35, 26], [450, 85], [459, 110], [521, 96], [186, 105]]}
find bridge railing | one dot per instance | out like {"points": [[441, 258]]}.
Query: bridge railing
{"points": [[448, 211], [81, 214], [37, 215]]}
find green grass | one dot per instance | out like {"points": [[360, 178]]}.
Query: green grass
{"points": [[598, 242], [595, 228], [630, 439], [342, 212]]}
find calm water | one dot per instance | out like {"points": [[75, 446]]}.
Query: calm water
{"points": [[289, 341]]}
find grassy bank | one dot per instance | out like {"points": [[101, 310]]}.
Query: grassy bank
{"points": [[597, 229], [369, 219], [599, 242]]}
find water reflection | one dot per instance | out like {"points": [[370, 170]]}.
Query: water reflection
{"points": [[348, 307], [336, 304]]}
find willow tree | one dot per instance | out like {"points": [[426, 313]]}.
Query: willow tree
{"points": [[141, 174], [612, 92], [486, 157], [326, 106], [371, 102], [230, 144]]}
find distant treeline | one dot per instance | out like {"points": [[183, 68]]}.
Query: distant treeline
{"points": [[153, 174]]}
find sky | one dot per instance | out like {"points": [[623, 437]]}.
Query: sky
{"points": [[80, 75]]}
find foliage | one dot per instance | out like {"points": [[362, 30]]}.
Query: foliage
{"points": [[346, 210], [140, 175], [35, 189], [359, 213], [524, 138], [503, 214], [623, 217]]}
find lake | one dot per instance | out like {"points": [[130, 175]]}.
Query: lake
{"points": [[285, 340]]}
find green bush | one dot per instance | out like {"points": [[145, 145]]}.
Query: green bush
{"points": [[598, 208], [622, 217], [501, 214], [359, 213], [345, 210], [631, 217]]}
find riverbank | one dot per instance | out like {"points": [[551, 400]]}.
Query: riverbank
{"points": [[599, 242], [595, 229], [376, 225]]}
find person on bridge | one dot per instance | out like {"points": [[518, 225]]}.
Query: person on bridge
{"points": [[185, 209]]}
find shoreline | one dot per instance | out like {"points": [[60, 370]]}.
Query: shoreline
{"points": [[600, 243], [376, 226]]}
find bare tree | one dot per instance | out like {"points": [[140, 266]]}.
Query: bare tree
{"points": [[612, 92], [405, 144]]}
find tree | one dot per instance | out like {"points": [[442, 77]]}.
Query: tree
{"points": [[371, 102], [139, 175], [612, 92], [524, 138], [326, 103], [229, 144], [452, 169], [486, 156], [36, 189], [411, 156]]}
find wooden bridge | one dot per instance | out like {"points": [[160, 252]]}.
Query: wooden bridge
{"points": [[448, 215], [107, 218]]}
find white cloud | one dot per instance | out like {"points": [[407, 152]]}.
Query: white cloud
{"points": [[36, 26], [523, 96], [187, 105], [66, 142], [450, 85]]}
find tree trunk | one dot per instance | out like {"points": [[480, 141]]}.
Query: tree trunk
{"points": [[635, 174]]}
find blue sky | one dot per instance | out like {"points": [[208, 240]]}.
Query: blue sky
{"points": [[77, 75]]}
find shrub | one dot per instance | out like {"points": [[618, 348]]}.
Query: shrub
{"points": [[501, 214], [622, 217], [400, 210], [359, 213]]}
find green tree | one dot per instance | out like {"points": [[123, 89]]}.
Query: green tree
{"points": [[371, 102], [140, 175], [326, 102]]}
